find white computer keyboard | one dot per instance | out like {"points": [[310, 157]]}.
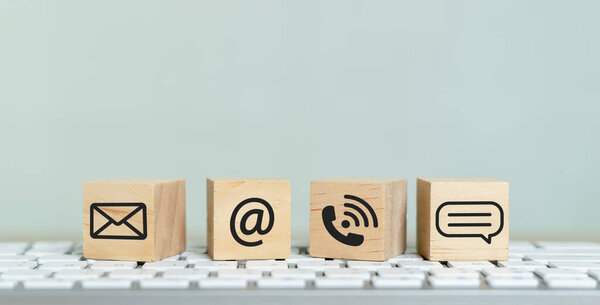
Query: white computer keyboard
{"points": [[60, 265]]}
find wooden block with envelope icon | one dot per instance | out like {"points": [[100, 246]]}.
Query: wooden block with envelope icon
{"points": [[462, 218], [248, 218], [358, 218], [134, 219]]}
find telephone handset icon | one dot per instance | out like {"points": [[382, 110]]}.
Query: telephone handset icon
{"points": [[351, 239]]}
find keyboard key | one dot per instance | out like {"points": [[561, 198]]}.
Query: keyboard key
{"points": [[527, 265], [454, 272], [217, 283], [595, 273], [25, 274], [159, 283], [104, 283], [405, 257], [317, 265], [266, 265], [504, 282], [197, 257], [371, 266], [6, 284], [560, 273], [508, 272], [275, 283], [216, 265], [59, 258], [113, 265], [17, 258], [247, 274], [544, 259], [48, 284], [396, 283], [470, 265], [423, 265], [13, 248], [295, 258], [401, 273], [187, 274], [132, 274], [78, 274], [570, 283], [5, 266], [582, 266], [453, 282], [57, 266], [301, 274], [165, 265], [329, 283], [568, 245], [353, 273]]}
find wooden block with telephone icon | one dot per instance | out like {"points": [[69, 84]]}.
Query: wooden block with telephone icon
{"points": [[358, 218]]}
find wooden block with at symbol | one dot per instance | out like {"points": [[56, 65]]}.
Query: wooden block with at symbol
{"points": [[248, 218], [358, 218], [462, 219], [134, 219]]}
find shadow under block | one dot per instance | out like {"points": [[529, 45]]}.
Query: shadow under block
{"points": [[462, 218], [356, 218], [248, 218], [133, 219]]}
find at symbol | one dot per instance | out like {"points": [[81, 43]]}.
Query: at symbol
{"points": [[257, 226]]}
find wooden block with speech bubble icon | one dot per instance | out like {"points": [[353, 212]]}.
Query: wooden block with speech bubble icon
{"points": [[248, 218], [358, 218], [133, 219], [462, 219]]}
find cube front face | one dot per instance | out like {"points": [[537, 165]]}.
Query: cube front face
{"points": [[248, 218], [462, 218], [133, 219], [358, 218]]}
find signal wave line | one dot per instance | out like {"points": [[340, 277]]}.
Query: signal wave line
{"points": [[361, 212], [371, 211]]}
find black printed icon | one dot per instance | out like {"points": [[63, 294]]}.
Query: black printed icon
{"points": [[257, 228], [351, 239], [118, 217], [463, 219]]}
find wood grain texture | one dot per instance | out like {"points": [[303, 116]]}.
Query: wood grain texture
{"points": [[164, 201], [387, 198], [225, 194], [464, 208]]}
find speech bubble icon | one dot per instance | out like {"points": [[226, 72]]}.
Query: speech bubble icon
{"points": [[483, 219]]}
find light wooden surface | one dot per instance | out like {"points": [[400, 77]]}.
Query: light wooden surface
{"points": [[463, 207], [164, 201], [224, 195], [386, 197]]}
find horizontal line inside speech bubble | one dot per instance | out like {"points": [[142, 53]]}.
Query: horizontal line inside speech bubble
{"points": [[470, 224], [469, 214]]}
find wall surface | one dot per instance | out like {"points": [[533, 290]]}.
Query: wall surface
{"points": [[301, 90]]}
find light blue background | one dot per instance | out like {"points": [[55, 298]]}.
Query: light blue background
{"points": [[301, 90]]}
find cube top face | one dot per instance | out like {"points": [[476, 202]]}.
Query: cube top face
{"points": [[463, 218], [249, 219], [133, 219], [357, 218]]}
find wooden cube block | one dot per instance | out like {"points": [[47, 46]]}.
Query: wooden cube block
{"points": [[133, 219], [248, 218], [462, 218], [354, 218]]}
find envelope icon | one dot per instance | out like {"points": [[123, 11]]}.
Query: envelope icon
{"points": [[118, 221]]}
